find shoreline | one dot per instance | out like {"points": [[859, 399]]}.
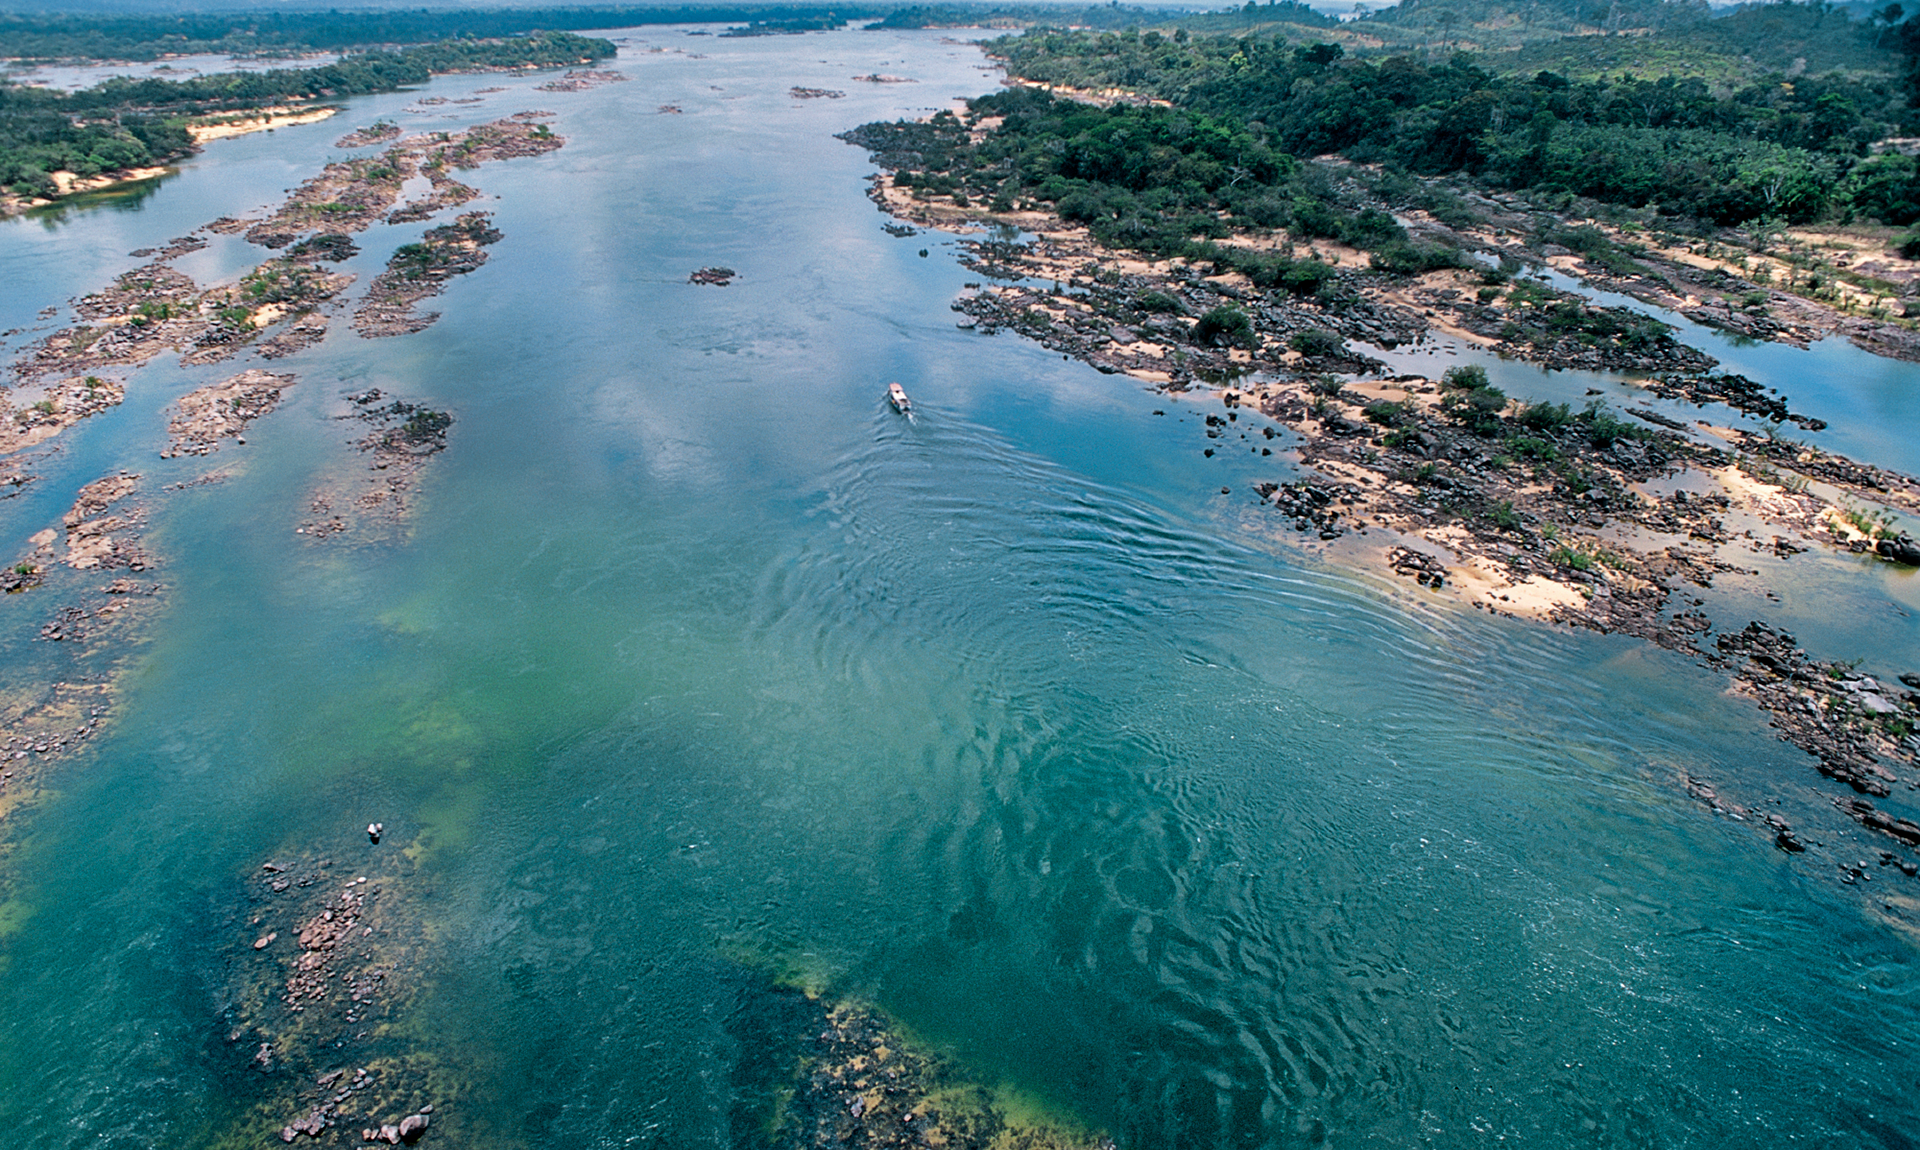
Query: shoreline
{"points": [[206, 128], [71, 185], [1597, 519]]}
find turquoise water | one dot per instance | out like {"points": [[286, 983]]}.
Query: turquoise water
{"points": [[1004, 718]]}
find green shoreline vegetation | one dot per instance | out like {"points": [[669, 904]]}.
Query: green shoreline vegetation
{"points": [[1794, 151], [1170, 137], [125, 124], [275, 34]]}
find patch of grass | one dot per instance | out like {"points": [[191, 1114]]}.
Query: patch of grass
{"points": [[1872, 524], [1567, 557]]}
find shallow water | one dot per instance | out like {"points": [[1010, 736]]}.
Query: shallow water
{"points": [[701, 661]]}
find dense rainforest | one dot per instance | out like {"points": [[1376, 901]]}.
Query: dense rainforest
{"points": [[151, 37], [1714, 136], [1793, 150], [135, 123]]}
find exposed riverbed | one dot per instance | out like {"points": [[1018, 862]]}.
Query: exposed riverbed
{"points": [[699, 682]]}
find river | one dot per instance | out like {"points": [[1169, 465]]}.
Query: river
{"points": [[700, 662]]}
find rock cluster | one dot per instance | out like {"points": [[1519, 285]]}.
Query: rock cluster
{"points": [[1309, 505], [378, 132], [1900, 548], [579, 80], [421, 270], [1425, 569], [98, 540], [324, 974], [1736, 391], [178, 246], [402, 438], [222, 411], [1861, 732]]}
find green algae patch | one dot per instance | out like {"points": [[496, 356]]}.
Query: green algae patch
{"points": [[787, 967], [861, 1081], [14, 913], [816, 1069]]}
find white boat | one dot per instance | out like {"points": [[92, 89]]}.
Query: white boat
{"points": [[897, 396]]}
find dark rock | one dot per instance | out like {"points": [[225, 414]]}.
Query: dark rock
{"points": [[1901, 549]]}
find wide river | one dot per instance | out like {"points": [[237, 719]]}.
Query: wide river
{"points": [[701, 665]]}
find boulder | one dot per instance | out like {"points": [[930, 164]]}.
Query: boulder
{"points": [[1900, 549]]}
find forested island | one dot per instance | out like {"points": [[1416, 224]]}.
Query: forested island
{"points": [[49, 139]]}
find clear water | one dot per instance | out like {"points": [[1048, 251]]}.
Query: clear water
{"points": [[1004, 718]]}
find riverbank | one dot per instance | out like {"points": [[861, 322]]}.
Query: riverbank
{"points": [[1590, 518], [209, 128], [69, 184], [177, 118]]}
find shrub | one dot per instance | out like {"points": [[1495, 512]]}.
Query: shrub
{"points": [[1408, 259], [1315, 342], [1530, 448], [1545, 416], [1160, 302], [1384, 412], [1604, 429], [1564, 556], [1478, 407], [1224, 325]]}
